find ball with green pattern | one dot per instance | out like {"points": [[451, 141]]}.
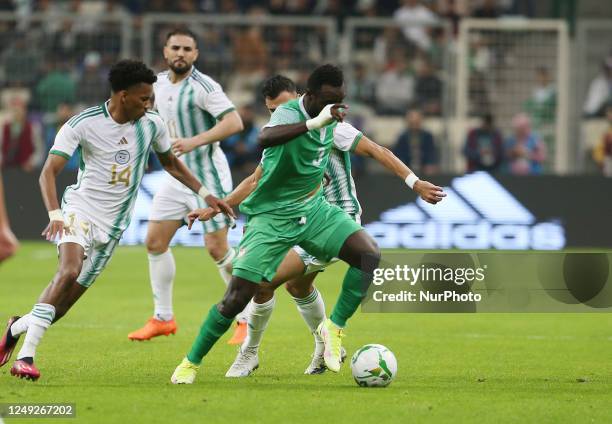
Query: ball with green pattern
{"points": [[373, 366]]}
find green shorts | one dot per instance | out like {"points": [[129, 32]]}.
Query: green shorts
{"points": [[268, 238]]}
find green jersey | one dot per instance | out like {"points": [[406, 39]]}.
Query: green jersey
{"points": [[291, 171]]}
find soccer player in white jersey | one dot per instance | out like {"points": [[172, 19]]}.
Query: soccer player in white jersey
{"points": [[198, 115], [114, 141], [340, 191]]}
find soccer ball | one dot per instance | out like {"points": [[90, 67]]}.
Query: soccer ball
{"points": [[373, 366]]}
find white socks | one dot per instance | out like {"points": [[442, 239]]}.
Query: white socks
{"points": [[225, 269], [161, 272], [40, 319], [312, 309], [21, 325], [257, 322]]}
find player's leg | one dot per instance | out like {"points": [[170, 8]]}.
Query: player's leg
{"points": [[333, 233], [220, 251], [263, 247], [57, 298], [259, 312], [162, 270], [216, 323]]}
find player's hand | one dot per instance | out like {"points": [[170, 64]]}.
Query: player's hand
{"points": [[202, 214], [54, 229], [429, 192], [219, 206], [338, 112], [8, 243], [329, 114], [180, 146]]}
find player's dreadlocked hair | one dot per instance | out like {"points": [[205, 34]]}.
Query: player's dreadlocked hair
{"points": [[182, 31], [275, 85], [326, 74], [127, 73]]}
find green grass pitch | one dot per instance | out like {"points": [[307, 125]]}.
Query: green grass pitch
{"points": [[452, 368]]}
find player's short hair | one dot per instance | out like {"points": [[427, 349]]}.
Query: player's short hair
{"points": [[182, 31], [325, 75], [127, 73], [275, 85]]}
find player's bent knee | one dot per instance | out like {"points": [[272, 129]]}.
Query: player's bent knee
{"points": [[264, 294], [155, 246]]}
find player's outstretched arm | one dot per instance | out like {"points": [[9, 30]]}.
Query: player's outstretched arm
{"points": [[230, 124], [427, 191], [178, 170], [245, 188], [281, 134], [8, 241], [51, 169]]}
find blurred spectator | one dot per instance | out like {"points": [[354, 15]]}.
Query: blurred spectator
{"points": [[453, 11], [415, 146], [386, 44], [249, 50], [242, 149], [92, 87], [55, 88], [484, 147], [394, 88], [525, 151], [51, 127], [21, 140], [362, 86], [543, 101], [602, 153], [21, 61], [600, 90], [488, 9], [428, 90], [414, 19]]}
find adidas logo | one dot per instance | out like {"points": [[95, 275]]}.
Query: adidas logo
{"points": [[123, 141], [478, 213]]}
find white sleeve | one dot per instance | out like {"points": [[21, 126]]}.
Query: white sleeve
{"points": [[161, 142], [346, 137], [66, 142], [211, 98], [283, 116]]}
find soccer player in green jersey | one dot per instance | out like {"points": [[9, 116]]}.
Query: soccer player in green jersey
{"points": [[114, 140], [339, 190], [287, 208]]}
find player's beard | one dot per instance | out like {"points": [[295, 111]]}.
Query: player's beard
{"points": [[180, 70]]}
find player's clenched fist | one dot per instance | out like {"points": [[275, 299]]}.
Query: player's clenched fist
{"points": [[429, 192], [181, 146]]}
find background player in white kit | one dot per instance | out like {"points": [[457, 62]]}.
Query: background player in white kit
{"points": [[198, 115], [114, 141]]}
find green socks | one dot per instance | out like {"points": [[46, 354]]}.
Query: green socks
{"points": [[350, 296], [214, 327]]}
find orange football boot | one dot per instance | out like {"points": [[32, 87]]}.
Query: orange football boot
{"points": [[240, 333], [154, 328]]}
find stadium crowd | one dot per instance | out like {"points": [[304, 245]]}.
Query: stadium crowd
{"points": [[53, 68]]}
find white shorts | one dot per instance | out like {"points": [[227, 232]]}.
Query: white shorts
{"points": [[313, 264], [98, 245], [172, 203]]}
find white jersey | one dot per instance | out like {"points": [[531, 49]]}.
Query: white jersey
{"points": [[190, 107], [341, 189], [113, 161]]}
